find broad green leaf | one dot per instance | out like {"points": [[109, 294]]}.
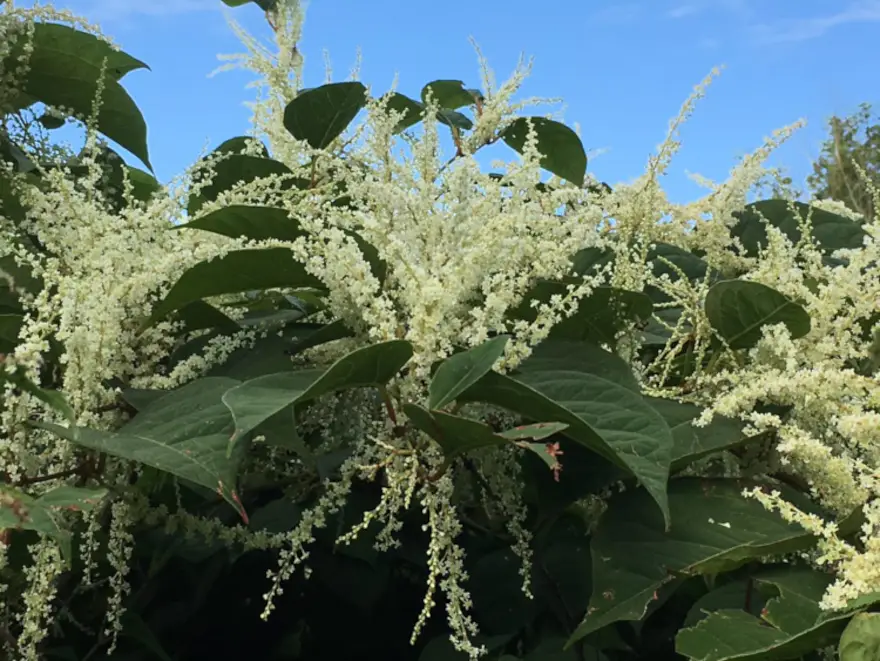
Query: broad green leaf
{"points": [[454, 119], [412, 110], [265, 5], [199, 315], [52, 398], [321, 114], [562, 152], [457, 435], [449, 94], [10, 325], [714, 528], [595, 393], [237, 271], [738, 309], [234, 170], [789, 626], [335, 330], [20, 511], [257, 400], [830, 230], [690, 442], [143, 184], [537, 431], [861, 639], [184, 433], [51, 122], [599, 316], [250, 222], [64, 70], [378, 266], [742, 594], [90, 48], [664, 254], [240, 145], [460, 371]]}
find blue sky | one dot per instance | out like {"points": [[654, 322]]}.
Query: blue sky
{"points": [[623, 68]]}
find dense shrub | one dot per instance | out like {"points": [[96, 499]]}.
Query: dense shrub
{"points": [[338, 373]]}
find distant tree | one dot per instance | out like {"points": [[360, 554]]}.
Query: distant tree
{"points": [[853, 140]]}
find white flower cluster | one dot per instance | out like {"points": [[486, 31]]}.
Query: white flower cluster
{"points": [[462, 249]]}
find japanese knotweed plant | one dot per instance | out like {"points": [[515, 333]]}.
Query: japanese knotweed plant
{"points": [[679, 400]]}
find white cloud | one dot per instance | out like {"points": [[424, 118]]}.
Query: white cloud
{"points": [[803, 29]]}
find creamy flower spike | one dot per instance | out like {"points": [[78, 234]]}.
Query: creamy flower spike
{"points": [[462, 249]]}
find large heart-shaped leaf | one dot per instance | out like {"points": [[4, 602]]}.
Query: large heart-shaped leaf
{"points": [[860, 640], [789, 626], [595, 393], [238, 169], [412, 110], [562, 152], [460, 371], [250, 222], [65, 70], [21, 511], [714, 528], [235, 272], [690, 442], [258, 399], [184, 433], [450, 94], [320, 115], [600, 316], [830, 230], [457, 435], [739, 309]]}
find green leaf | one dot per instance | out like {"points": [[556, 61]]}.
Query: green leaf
{"points": [[53, 398], [790, 625], [234, 170], [561, 150], [599, 316], [251, 222], [10, 325], [537, 431], [714, 529], [143, 184], [51, 122], [240, 145], [664, 254], [20, 511], [738, 309], [450, 94], [457, 435], [830, 230], [595, 393], [237, 271], [258, 399], [692, 443], [460, 371], [411, 108], [321, 114], [199, 315], [64, 70], [861, 639], [454, 119], [184, 433], [335, 330], [265, 5]]}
